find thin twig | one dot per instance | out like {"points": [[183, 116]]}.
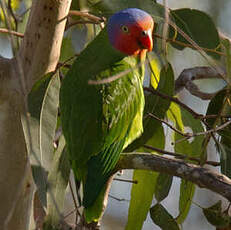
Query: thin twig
{"points": [[68, 214], [189, 45], [74, 200], [190, 135], [86, 15], [166, 26], [211, 61], [176, 100], [169, 125], [128, 181], [118, 199], [81, 22], [15, 33], [13, 15], [209, 116], [116, 76]]}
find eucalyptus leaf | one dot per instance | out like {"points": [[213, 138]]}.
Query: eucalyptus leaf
{"points": [[163, 185], [162, 218], [199, 26], [216, 217], [43, 109], [57, 181], [141, 199], [187, 190]]}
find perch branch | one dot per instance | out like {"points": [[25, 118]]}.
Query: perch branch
{"points": [[187, 76], [180, 156], [200, 176]]}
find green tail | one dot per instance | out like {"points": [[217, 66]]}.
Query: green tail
{"points": [[99, 171]]}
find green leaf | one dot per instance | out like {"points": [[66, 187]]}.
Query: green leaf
{"points": [[216, 217], [187, 190], [141, 198], [43, 108], [226, 44], [220, 105], [109, 7], [198, 26], [67, 49], [163, 185], [48, 121], [182, 119], [57, 180], [215, 107], [162, 218]]}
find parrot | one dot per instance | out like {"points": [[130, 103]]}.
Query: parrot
{"points": [[100, 120]]}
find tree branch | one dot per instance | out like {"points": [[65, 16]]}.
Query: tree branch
{"points": [[200, 176], [187, 76]]}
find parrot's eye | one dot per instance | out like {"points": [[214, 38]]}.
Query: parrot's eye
{"points": [[125, 29], [144, 33]]}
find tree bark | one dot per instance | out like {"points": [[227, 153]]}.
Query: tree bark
{"points": [[200, 176], [38, 54]]}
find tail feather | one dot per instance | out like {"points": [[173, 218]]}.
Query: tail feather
{"points": [[99, 171]]}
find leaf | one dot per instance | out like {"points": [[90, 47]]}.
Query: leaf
{"points": [[198, 26], [163, 185], [57, 180], [67, 49], [187, 190], [215, 106], [226, 44], [48, 121], [216, 217], [141, 199], [220, 105], [162, 218], [182, 119], [43, 108], [109, 7]]}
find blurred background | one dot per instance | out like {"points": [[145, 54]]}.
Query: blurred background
{"points": [[116, 214]]}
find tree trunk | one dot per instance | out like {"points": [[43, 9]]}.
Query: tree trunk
{"points": [[38, 54]]}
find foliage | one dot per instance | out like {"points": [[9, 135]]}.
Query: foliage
{"points": [[188, 28]]}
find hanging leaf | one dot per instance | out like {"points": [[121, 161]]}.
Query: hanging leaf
{"points": [[108, 7], [43, 108], [162, 218], [57, 181], [192, 148], [216, 217], [141, 199], [198, 26], [187, 190], [163, 185], [220, 106]]}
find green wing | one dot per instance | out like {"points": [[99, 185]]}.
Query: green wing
{"points": [[99, 120]]}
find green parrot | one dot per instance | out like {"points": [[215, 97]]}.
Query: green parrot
{"points": [[100, 120]]}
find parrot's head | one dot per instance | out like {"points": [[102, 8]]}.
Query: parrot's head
{"points": [[130, 31]]}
